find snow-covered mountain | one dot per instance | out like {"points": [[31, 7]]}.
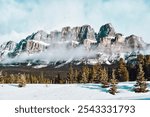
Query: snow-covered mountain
{"points": [[79, 43]]}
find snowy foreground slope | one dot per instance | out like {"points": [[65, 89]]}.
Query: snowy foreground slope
{"points": [[69, 91]]}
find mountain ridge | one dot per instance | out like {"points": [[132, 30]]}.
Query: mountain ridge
{"points": [[77, 43]]}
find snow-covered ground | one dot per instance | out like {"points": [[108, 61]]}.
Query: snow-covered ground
{"points": [[69, 92]]}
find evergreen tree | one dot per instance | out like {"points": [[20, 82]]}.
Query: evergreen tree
{"points": [[140, 59], [83, 78], [147, 67], [94, 77], [58, 79], [85, 74], [80, 77], [12, 78], [113, 89], [76, 76], [100, 73], [70, 75], [1, 77], [104, 79], [33, 79], [122, 72], [22, 81], [141, 85]]}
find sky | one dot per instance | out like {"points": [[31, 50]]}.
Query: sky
{"points": [[19, 18]]}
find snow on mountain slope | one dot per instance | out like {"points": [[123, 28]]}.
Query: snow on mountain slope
{"points": [[73, 43], [69, 91], [39, 66], [41, 42]]}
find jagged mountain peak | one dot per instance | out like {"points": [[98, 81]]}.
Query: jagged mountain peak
{"points": [[40, 35], [135, 42], [106, 30], [8, 46], [110, 44]]}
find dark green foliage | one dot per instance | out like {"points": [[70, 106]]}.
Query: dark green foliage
{"points": [[98, 73], [113, 89], [140, 59], [104, 78], [76, 74], [1, 77], [140, 86], [122, 72], [147, 67], [70, 75], [94, 77], [85, 75], [95, 73]]}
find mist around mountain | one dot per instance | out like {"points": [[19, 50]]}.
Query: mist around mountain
{"points": [[80, 43]]}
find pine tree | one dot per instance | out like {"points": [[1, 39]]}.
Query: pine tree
{"points": [[76, 76], [141, 85], [79, 77], [147, 67], [100, 73], [85, 74], [1, 77], [83, 78], [113, 89], [70, 74], [58, 79], [22, 81], [12, 78], [104, 79], [122, 72], [94, 77], [140, 59]]}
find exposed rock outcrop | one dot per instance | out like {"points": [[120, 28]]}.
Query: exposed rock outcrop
{"points": [[6, 48], [106, 41], [134, 42], [106, 30]]}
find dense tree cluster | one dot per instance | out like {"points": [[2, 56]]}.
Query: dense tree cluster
{"points": [[107, 75], [113, 89], [22, 79], [122, 72], [133, 68], [141, 85]]}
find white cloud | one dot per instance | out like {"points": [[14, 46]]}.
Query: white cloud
{"points": [[24, 17], [61, 53]]}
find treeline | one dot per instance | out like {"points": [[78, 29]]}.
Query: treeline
{"points": [[107, 76], [133, 68], [110, 78], [27, 78], [99, 73]]}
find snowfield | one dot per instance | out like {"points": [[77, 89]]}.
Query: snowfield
{"points": [[69, 92]]}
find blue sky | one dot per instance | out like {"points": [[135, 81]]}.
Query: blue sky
{"points": [[22, 17]]}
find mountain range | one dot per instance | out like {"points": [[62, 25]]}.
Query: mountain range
{"points": [[80, 44]]}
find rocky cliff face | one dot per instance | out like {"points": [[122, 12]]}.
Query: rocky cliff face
{"points": [[106, 41], [135, 42], [10, 45], [106, 30], [6, 48], [40, 40]]}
